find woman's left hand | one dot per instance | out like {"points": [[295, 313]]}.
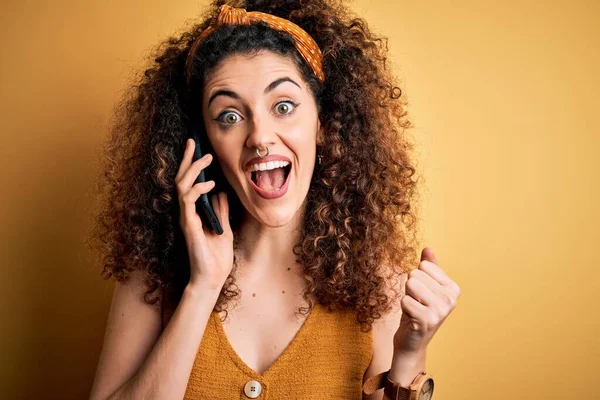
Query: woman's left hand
{"points": [[429, 298]]}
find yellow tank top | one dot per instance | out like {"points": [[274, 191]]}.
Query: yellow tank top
{"points": [[326, 360]]}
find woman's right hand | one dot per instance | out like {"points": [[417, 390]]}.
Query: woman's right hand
{"points": [[211, 255]]}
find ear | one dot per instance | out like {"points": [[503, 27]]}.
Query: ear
{"points": [[320, 133]]}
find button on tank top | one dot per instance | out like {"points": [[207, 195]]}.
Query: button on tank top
{"points": [[325, 360]]}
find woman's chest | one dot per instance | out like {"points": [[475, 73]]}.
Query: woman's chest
{"points": [[290, 357], [262, 326]]}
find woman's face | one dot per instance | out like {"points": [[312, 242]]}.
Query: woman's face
{"points": [[262, 101]]}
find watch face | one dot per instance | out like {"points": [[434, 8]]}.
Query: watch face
{"points": [[426, 391]]}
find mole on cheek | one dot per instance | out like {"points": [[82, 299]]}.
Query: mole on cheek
{"points": [[253, 294]]}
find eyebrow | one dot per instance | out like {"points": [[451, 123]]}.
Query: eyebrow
{"points": [[234, 95]]}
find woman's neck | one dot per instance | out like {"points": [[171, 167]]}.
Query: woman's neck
{"points": [[265, 249]]}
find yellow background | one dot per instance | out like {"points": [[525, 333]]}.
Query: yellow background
{"points": [[504, 97]]}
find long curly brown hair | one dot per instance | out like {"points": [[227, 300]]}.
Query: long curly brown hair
{"points": [[360, 222]]}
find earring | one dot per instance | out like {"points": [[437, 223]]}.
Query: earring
{"points": [[319, 159]]}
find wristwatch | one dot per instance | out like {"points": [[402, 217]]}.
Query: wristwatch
{"points": [[421, 387]]}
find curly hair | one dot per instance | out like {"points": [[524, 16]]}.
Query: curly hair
{"points": [[360, 222]]}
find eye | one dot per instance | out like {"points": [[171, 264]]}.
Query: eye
{"points": [[228, 118], [286, 107]]}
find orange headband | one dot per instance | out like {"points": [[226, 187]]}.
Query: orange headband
{"points": [[306, 46]]}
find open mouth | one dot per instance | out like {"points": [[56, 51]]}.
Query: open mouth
{"points": [[271, 180]]}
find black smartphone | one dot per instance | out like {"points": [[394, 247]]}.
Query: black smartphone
{"points": [[206, 209]]}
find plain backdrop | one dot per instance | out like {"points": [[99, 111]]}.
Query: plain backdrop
{"points": [[504, 97]]}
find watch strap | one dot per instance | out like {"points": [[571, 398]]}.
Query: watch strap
{"points": [[374, 383], [391, 390]]}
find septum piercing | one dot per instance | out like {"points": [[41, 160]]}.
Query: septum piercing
{"points": [[260, 155]]}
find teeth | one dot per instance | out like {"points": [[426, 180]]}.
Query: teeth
{"points": [[268, 165]]}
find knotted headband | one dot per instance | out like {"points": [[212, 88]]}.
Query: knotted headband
{"points": [[306, 46]]}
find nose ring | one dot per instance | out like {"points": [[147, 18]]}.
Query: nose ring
{"points": [[261, 155]]}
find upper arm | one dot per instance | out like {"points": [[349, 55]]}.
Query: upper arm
{"points": [[132, 329], [383, 345]]}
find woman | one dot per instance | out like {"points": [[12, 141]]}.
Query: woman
{"points": [[302, 295]]}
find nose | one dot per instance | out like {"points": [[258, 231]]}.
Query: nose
{"points": [[262, 133]]}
